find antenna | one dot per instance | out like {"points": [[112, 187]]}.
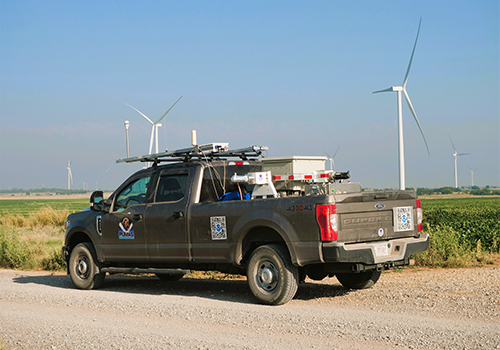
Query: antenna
{"points": [[400, 89], [126, 135]]}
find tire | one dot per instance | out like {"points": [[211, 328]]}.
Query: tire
{"points": [[83, 267], [272, 277], [362, 280], [168, 277]]}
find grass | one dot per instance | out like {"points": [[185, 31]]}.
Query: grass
{"points": [[463, 232]]}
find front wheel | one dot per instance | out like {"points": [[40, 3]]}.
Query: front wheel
{"points": [[362, 280], [272, 277], [83, 267]]}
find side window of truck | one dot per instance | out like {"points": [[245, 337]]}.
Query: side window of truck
{"points": [[171, 187], [134, 193], [211, 187]]}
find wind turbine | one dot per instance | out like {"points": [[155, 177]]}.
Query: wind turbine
{"points": [[456, 155], [332, 163], [70, 175], [156, 125], [399, 89], [472, 174]]}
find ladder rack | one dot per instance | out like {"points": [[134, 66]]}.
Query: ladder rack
{"points": [[209, 151]]}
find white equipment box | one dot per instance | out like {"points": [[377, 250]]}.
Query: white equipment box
{"points": [[296, 165]]}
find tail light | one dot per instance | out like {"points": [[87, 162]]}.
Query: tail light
{"points": [[420, 215], [326, 216]]}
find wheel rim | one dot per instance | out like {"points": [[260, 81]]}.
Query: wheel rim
{"points": [[267, 276], [82, 267]]}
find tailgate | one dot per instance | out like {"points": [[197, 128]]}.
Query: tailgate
{"points": [[377, 216]]}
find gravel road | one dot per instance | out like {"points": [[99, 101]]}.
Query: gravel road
{"points": [[413, 309]]}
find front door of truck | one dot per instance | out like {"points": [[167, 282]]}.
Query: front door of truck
{"points": [[123, 232], [166, 218]]}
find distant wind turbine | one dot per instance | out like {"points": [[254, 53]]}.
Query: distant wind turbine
{"points": [[70, 175], [156, 125], [456, 155], [331, 159], [472, 174], [399, 89]]}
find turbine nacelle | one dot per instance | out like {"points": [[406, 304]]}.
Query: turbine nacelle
{"points": [[391, 89]]}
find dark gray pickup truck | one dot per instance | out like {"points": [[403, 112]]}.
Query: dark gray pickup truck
{"points": [[169, 219]]}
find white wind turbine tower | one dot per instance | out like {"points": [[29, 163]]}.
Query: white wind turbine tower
{"points": [[156, 125], [399, 89], [331, 159], [472, 174], [70, 175], [456, 155]]}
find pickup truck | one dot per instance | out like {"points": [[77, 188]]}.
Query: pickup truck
{"points": [[169, 219]]}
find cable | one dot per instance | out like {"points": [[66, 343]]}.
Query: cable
{"points": [[211, 175]]}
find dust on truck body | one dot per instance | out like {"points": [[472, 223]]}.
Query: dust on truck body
{"points": [[275, 220]]}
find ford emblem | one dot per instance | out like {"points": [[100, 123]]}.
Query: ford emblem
{"points": [[380, 206]]}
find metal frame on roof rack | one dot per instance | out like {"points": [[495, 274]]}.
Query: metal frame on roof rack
{"points": [[209, 151]]}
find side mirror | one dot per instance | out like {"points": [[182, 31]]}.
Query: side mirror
{"points": [[96, 201]]}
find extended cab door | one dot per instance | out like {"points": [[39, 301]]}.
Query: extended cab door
{"points": [[123, 232], [166, 218]]}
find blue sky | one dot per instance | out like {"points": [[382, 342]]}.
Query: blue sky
{"points": [[296, 76]]}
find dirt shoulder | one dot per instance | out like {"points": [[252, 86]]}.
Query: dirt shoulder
{"points": [[407, 309]]}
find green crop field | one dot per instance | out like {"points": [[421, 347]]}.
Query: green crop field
{"points": [[28, 205], [463, 231], [473, 219]]}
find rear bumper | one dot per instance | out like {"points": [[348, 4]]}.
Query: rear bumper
{"points": [[372, 253]]}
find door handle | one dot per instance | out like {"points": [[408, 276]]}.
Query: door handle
{"points": [[137, 217], [178, 215]]}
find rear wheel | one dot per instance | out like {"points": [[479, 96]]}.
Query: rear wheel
{"points": [[83, 267], [272, 277], [169, 277], [360, 280]]}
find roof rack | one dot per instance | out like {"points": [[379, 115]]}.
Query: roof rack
{"points": [[209, 151]]}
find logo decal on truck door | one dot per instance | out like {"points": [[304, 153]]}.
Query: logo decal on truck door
{"points": [[126, 229], [218, 226]]}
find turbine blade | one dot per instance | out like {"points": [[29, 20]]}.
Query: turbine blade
{"points": [[416, 119], [163, 116], [138, 111], [463, 154], [328, 156], [336, 152], [412, 53], [386, 90], [452, 144]]}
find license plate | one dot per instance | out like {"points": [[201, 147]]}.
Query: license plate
{"points": [[381, 250], [403, 220]]}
